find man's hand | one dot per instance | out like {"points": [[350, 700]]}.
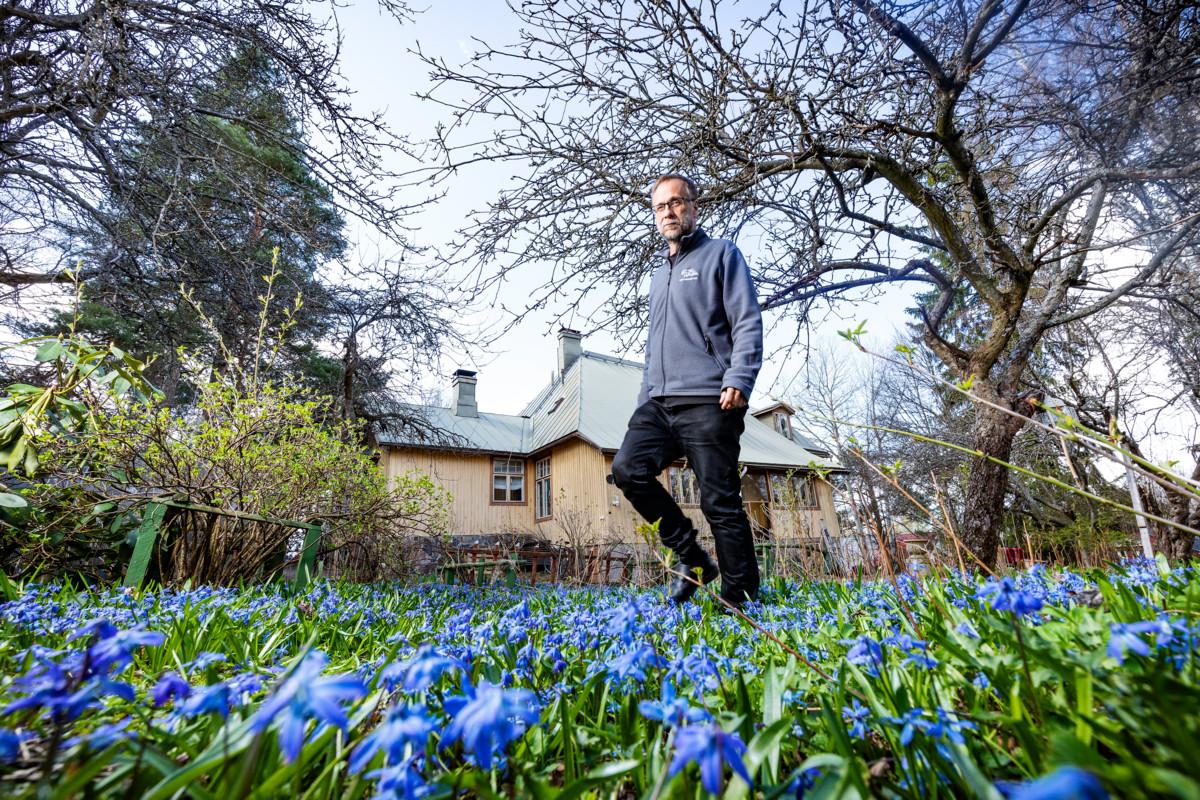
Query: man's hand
{"points": [[731, 398]]}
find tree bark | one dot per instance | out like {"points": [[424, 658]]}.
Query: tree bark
{"points": [[12, 278], [987, 483], [1185, 510]]}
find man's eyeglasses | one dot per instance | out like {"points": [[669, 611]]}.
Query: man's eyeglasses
{"points": [[676, 204]]}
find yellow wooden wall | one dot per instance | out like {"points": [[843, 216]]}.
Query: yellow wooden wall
{"points": [[468, 477], [585, 507], [799, 523], [787, 524], [580, 496]]}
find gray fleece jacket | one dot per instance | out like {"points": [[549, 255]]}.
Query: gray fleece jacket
{"points": [[705, 324]]}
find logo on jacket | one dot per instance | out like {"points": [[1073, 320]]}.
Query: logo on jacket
{"points": [[689, 274]]}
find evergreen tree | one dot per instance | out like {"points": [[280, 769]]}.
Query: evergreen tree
{"points": [[214, 198]]}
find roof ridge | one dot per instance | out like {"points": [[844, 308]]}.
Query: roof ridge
{"points": [[420, 407], [612, 359], [540, 396]]}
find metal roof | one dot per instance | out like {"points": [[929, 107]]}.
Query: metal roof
{"points": [[495, 433], [797, 437], [594, 400], [554, 413]]}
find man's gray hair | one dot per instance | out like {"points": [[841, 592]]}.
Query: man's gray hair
{"points": [[676, 176]]}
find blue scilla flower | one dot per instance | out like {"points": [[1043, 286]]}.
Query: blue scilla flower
{"points": [[803, 782], [420, 671], [672, 710], [964, 628], [527, 656], [66, 688], [865, 652], [1139, 571], [711, 748], [909, 588], [213, 699], [48, 685], [98, 628], [1128, 638], [1183, 642], [921, 660], [557, 660], [486, 719], [102, 736], [170, 687], [633, 663], [857, 714], [950, 727], [1072, 582], [10, 745], [402, 781], [403, 725], [1065, 783], [910, 723], [114, 649], [206, 659], [1005, 595], [699, 666], [1165, 630], [243, 685], [901, 641], [518, 613], [624, 622], [914, 650], [305, 695]]}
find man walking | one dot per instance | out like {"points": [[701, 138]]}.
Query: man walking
{"points": [[702, 357]]}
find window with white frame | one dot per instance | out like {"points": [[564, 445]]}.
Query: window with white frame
{"points": [[508, 480], [783, 423], [684, 488], [541, 488]]}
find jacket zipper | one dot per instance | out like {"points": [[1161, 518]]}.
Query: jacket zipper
{"points": [[662, 337], [708, 347]]}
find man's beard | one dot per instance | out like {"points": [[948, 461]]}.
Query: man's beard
{"points": [[677, 233]]}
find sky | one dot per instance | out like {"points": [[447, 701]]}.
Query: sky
{"points": [[378, 62]]}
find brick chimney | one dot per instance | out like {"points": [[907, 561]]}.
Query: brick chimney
{"points": [[570, 348], [463, 390]]}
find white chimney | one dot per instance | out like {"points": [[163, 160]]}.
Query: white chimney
{"points": [[463, 391], [570, 348]]}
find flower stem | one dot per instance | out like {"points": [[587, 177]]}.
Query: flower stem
{"points": [[662, 776], [1025, 663]]}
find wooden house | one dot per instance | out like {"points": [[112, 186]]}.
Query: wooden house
{"points": [[544, 472]]}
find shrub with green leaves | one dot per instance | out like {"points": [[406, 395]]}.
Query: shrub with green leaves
{"points": [[79, 378], [266, 451], [66, 528]]}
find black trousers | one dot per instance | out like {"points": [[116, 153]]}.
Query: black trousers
{"points": [[659, 435]]}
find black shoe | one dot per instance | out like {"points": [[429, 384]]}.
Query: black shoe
{"points": [[738, 602], [682, 588], [732, 609]]}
